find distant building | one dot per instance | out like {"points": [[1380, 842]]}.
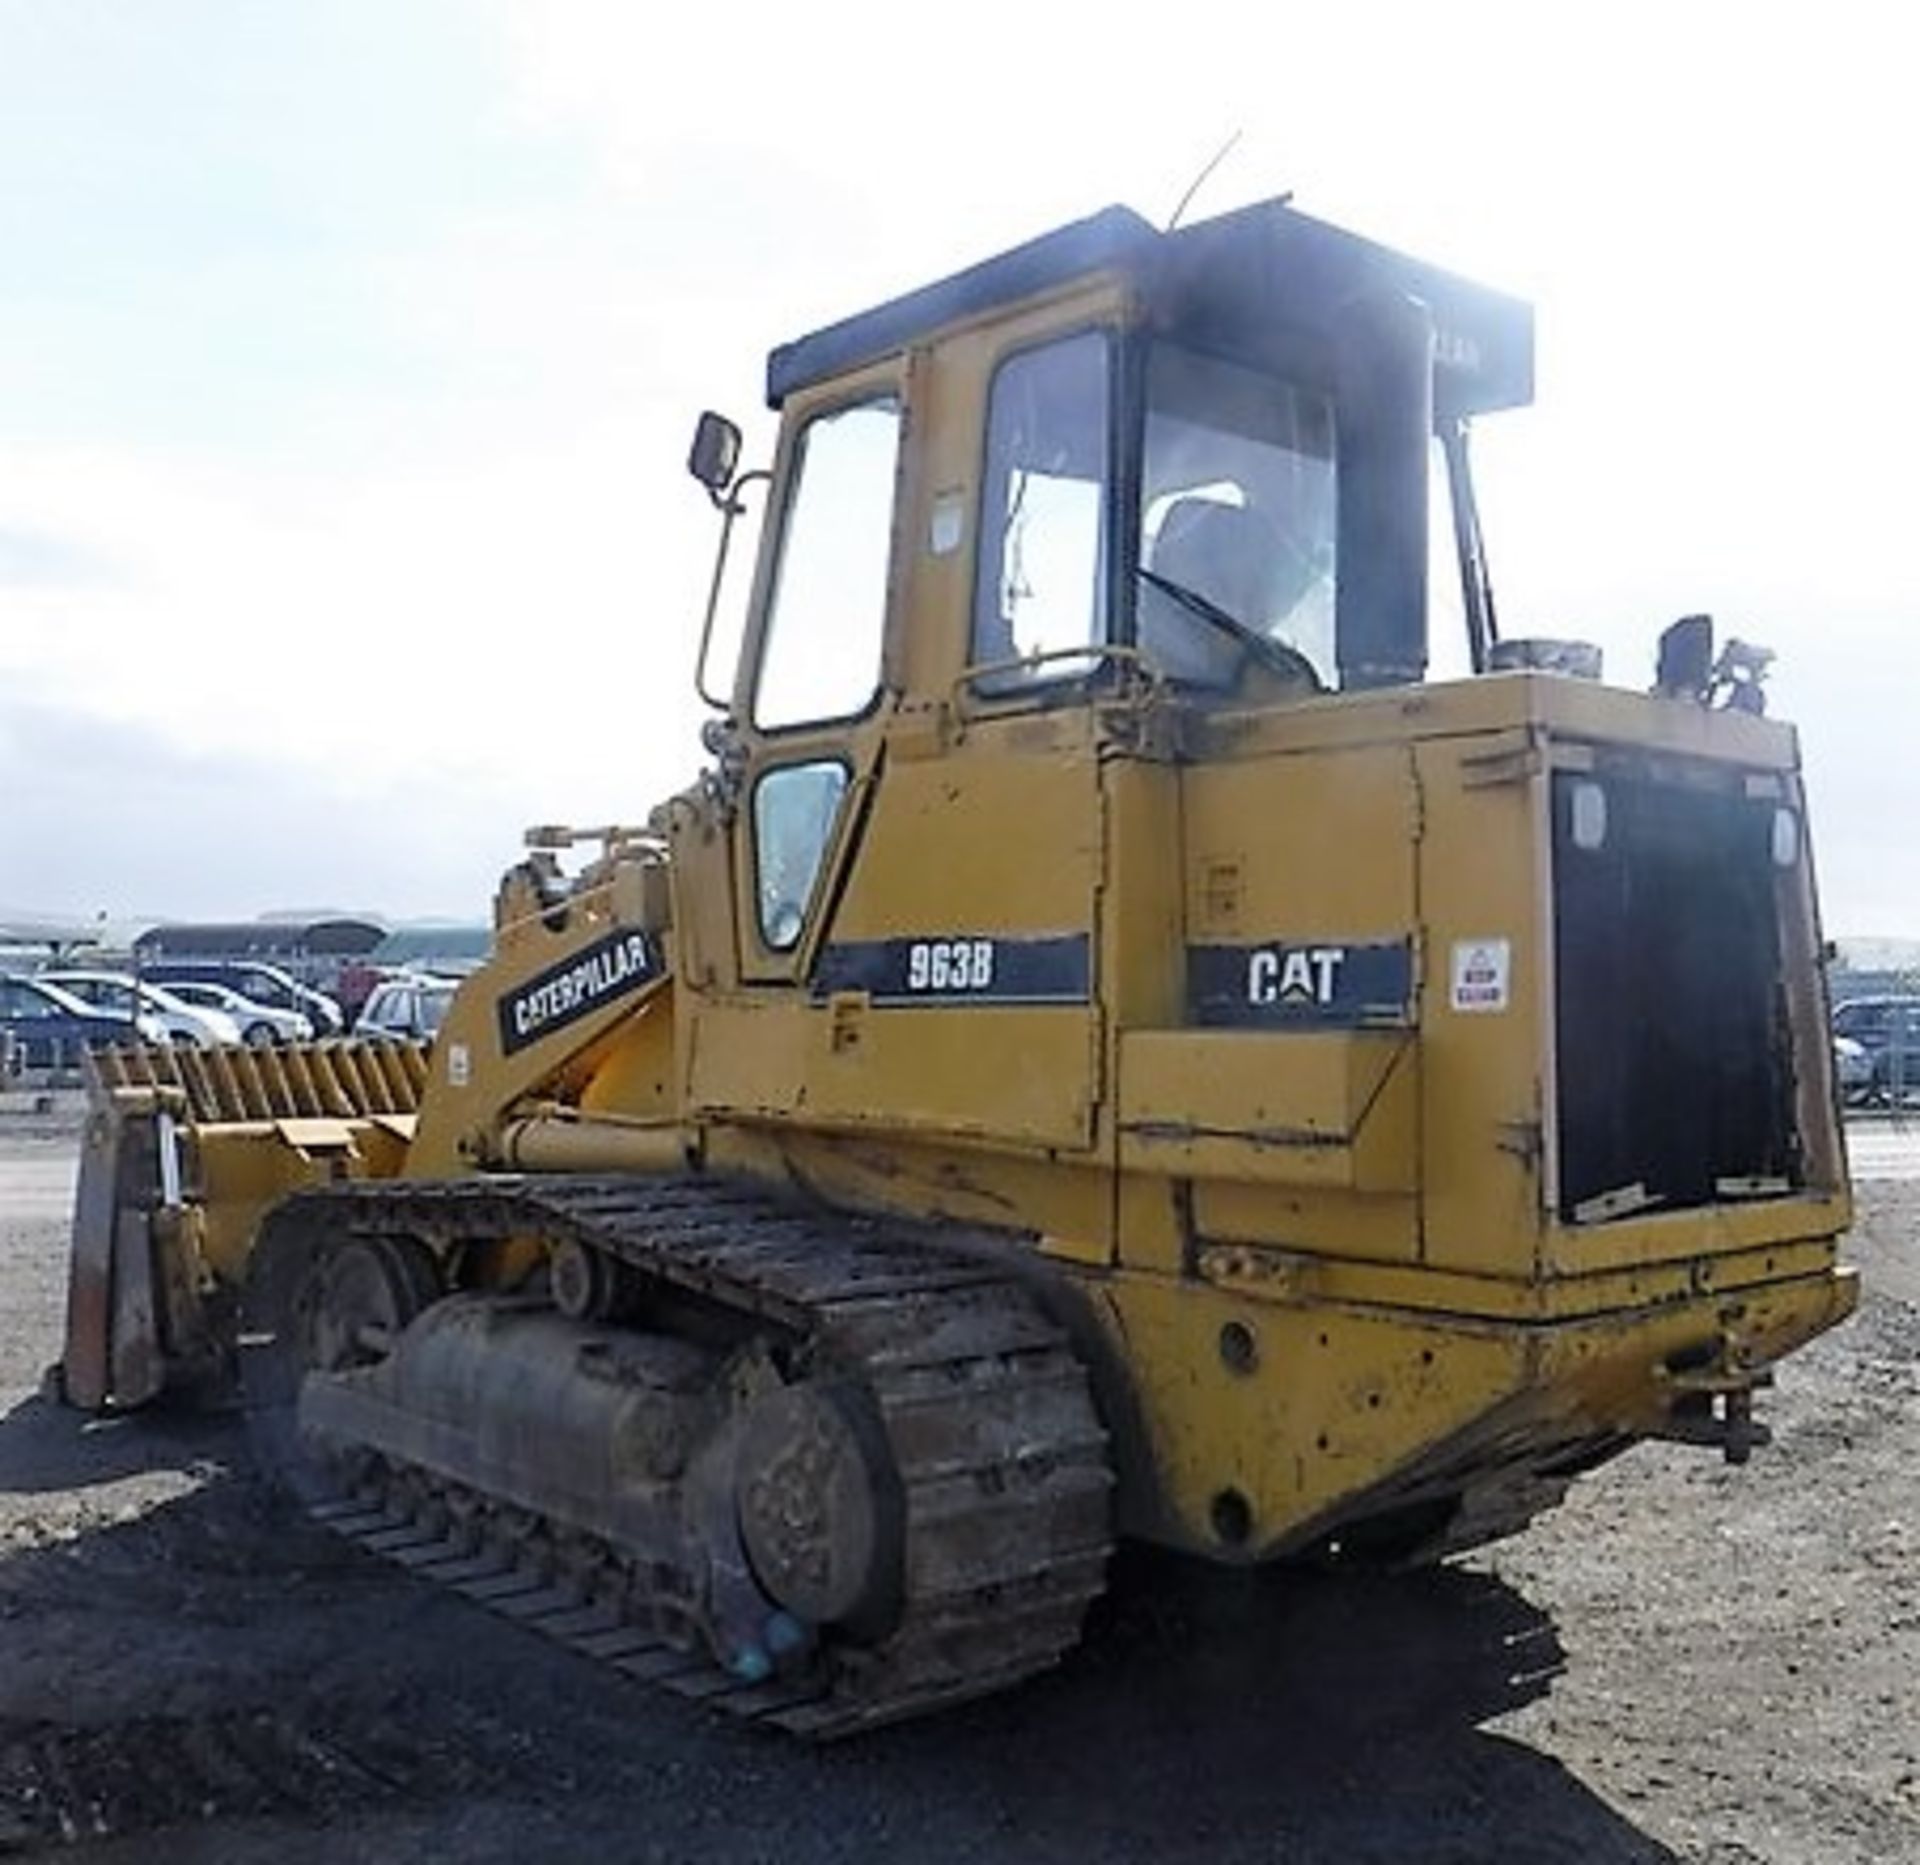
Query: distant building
{"points": [[28, 939], [312, 951]]}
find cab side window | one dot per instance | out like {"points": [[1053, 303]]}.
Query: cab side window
{"points": [[1040, 581], [821, 655], [794, 809]]}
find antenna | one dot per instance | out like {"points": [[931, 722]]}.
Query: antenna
{"points": [[1199, 181]]}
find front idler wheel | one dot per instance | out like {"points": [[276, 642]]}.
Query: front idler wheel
{"points": [[364, 1293], [319, 1306]]}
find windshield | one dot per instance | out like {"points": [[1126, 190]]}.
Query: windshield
{"points": [[64, 1001], [101, 993], [1237, 508]]}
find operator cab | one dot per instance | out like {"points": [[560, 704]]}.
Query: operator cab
{"points": [[1206, 452]]}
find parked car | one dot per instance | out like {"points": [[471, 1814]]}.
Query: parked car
{"points": [[1853, 1069], [253, 979], [180, 1021], [406, 1006], [258, 1023], [51, 1027], [1888, 1029]]}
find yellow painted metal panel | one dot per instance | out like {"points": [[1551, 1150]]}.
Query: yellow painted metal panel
{"points": [[311, 1134], [1267, 1272], [1492, 704], [632, 1071], [1483, 1054], [990, 840], [748, 1054], [1153, 1224], [1660, 1237], [1333, 1224], [1016, 1075], [1142, 922], [1317, 1107], [235, 1172], [1334, 1400], [1020, 1075], [703, 947], [471, 1080], [1301, 848], [1065, 1205], [1314, 1412], [1142, 978]]}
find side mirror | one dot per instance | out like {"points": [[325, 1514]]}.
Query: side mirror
{"points": [[715, 452], [714, 460]]}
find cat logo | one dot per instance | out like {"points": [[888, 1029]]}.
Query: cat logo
{"points": [[1294, 974], [1282, 984]]}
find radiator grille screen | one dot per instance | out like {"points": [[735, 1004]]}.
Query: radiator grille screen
{"points": [[1674, 1054]]}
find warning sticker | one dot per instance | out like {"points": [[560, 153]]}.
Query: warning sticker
{"points": [[1481, 970]]}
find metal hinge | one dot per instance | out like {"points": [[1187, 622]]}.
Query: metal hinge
{"points": [[1512, 764]]}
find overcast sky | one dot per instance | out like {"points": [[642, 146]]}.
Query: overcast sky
{"points": [[349, 351]]}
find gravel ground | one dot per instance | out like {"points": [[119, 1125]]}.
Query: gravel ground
{"points": [[1685, 1662]]}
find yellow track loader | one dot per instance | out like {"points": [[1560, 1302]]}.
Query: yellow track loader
{"points": [[1106, 1048]]}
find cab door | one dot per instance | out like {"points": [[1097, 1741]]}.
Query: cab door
{"points": [[954, 974], [916, 837], [813, 692], [800, 754]]}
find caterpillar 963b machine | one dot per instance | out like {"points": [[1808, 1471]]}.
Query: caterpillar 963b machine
{"points": [[1105, 1049]]}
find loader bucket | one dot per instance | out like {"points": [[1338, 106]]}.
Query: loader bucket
{"points": [[184, 1152], [112, 1332]]}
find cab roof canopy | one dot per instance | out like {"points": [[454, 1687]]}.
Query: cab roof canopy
{"points": [[1223, 283]]}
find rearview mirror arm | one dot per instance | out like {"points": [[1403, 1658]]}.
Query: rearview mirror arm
{"points": [[730, 509]]}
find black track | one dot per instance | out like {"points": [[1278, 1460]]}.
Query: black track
{"points": [[1002, 1461]]}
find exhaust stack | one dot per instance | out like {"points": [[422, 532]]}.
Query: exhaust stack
{"points": [[1384, 391]]}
